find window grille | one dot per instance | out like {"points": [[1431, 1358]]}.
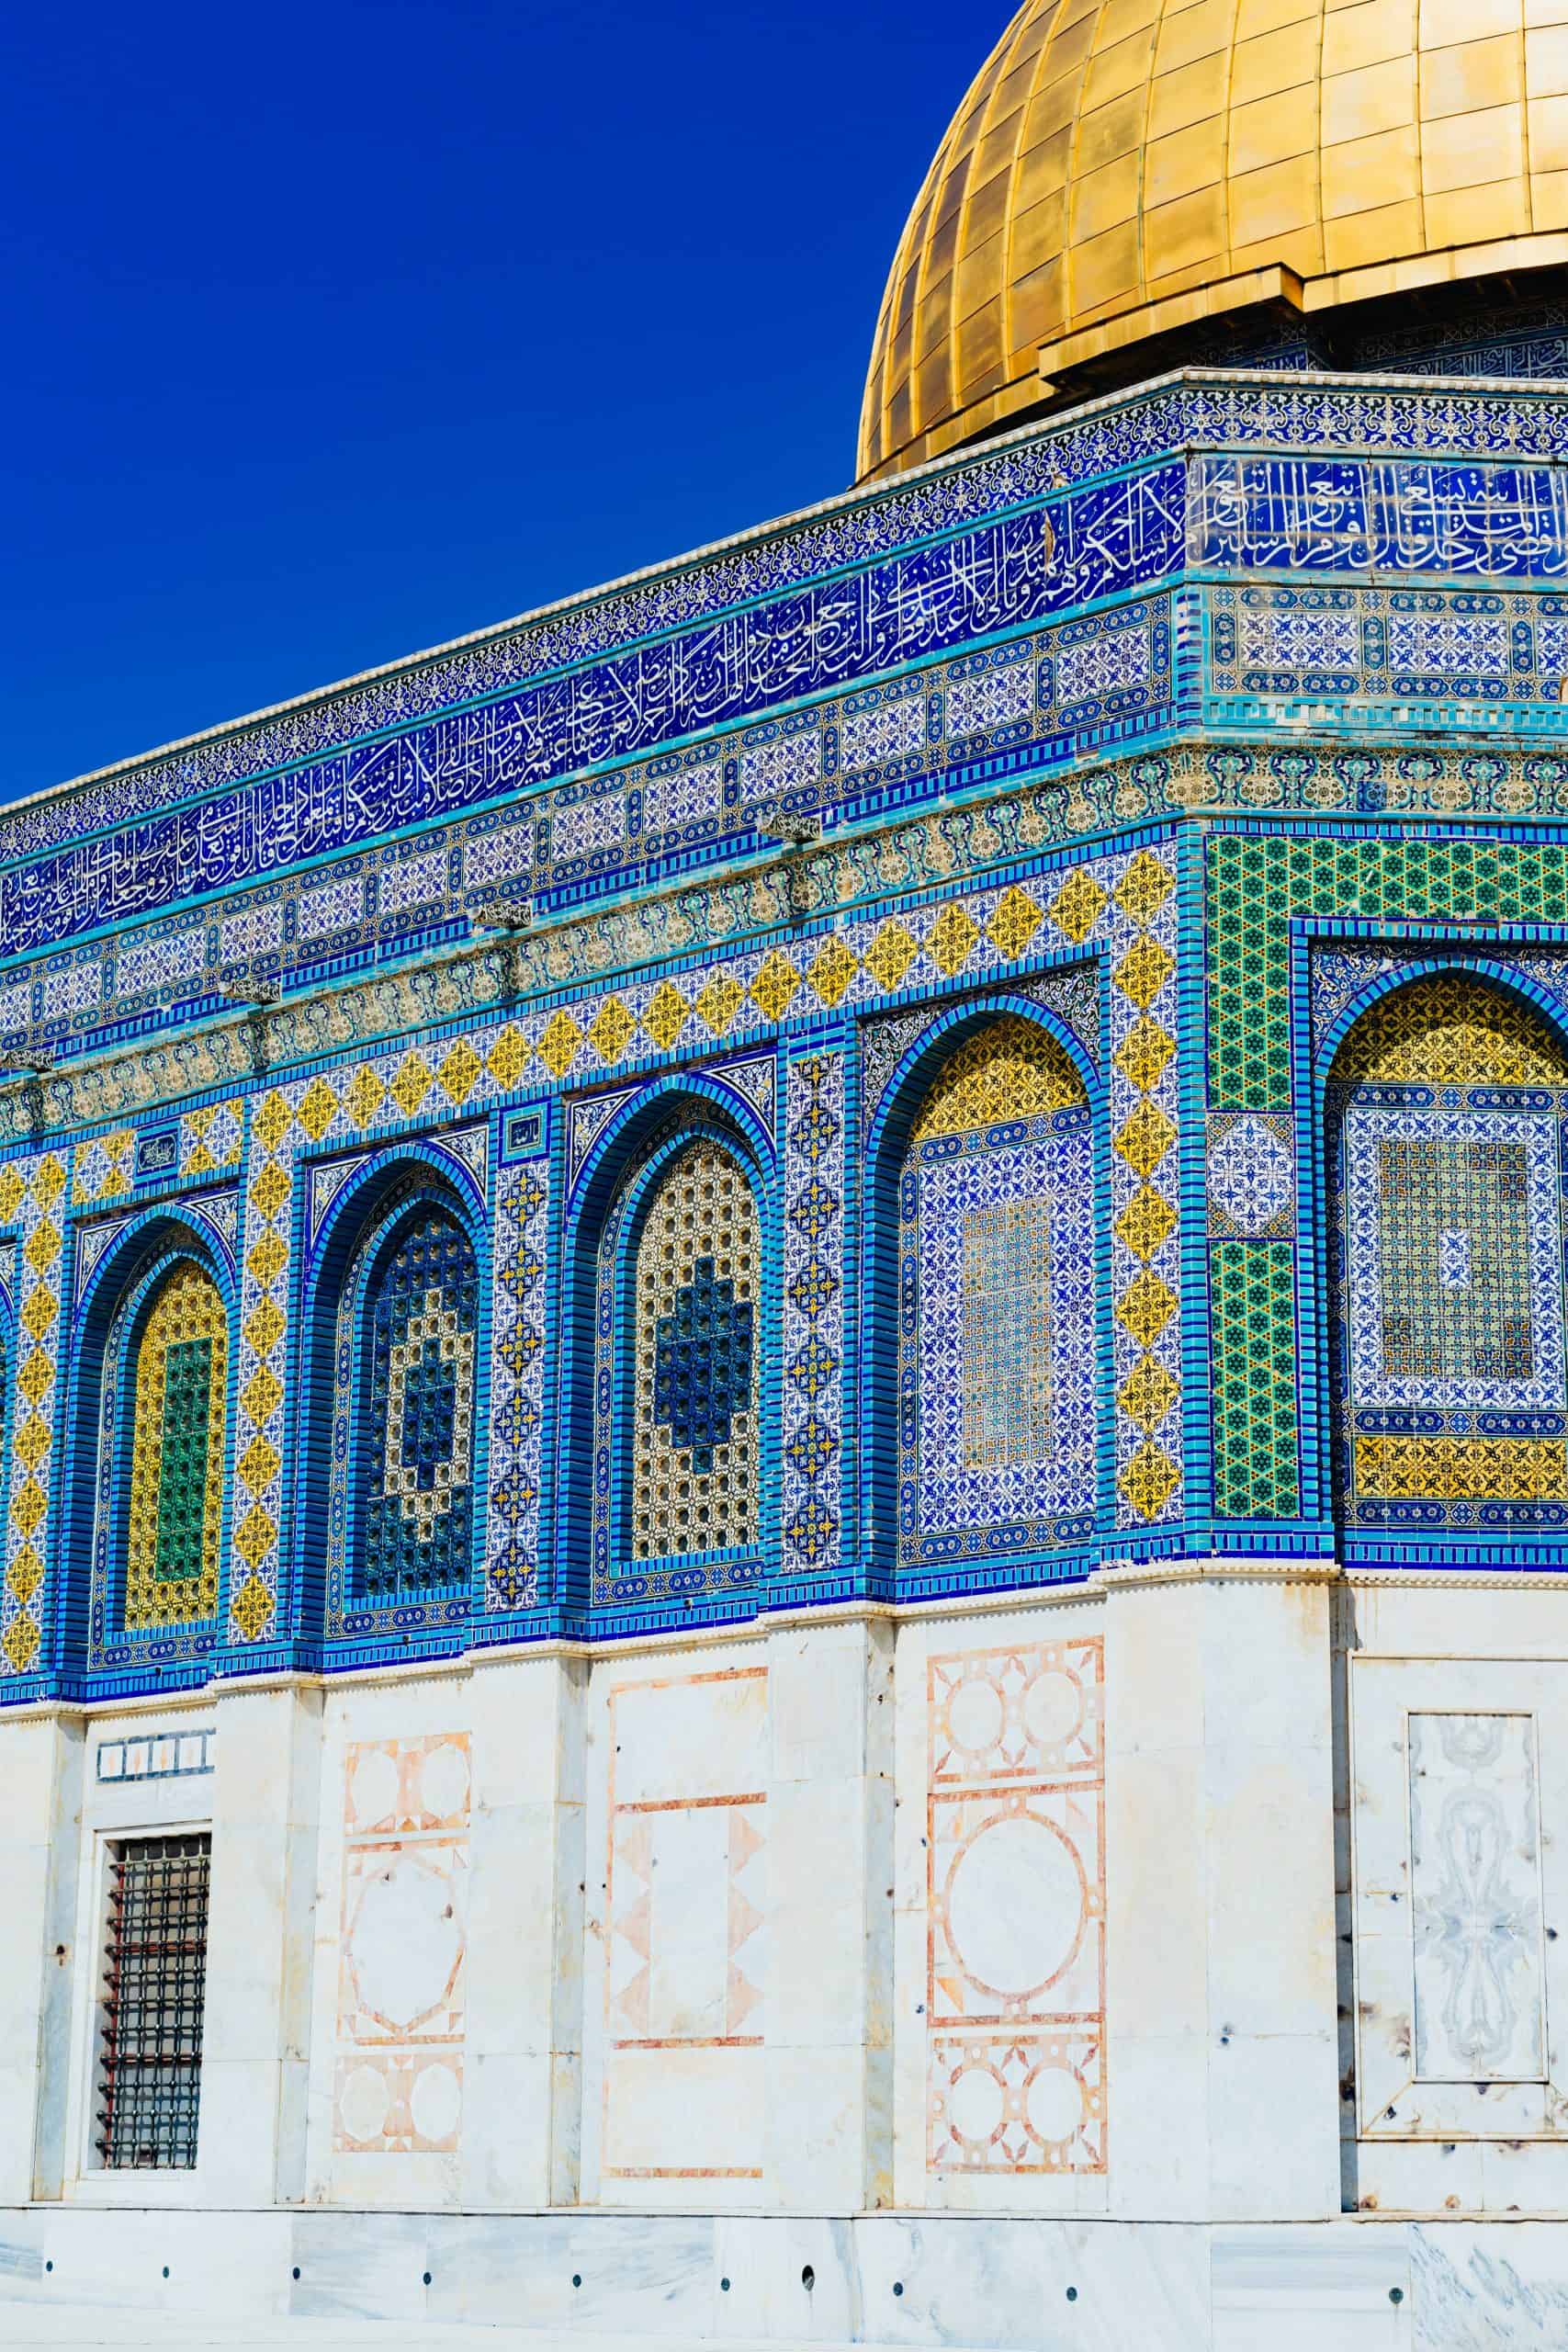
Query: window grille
{"points": [[154, 1992]]}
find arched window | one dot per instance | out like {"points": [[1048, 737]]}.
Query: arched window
{"points": [[164, 1401], [997, 1327], [401, 1518], [679, 1345], [1445, 1123]]}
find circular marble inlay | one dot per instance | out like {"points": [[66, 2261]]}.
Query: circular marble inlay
{"points": [[362, 2106], [975, 2104], [1053, 2104], [975, 1716], [443, 1785], [1053, 1707], [435, 2101], [1015, 1905], [406, 1940]]}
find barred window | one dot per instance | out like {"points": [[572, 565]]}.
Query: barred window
{"points": [[154, 1992]]}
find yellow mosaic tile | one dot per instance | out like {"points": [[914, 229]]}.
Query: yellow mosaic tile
{"points": [[32, 1442], [1144, 1307], [1148, 1479], [459, 1073], [19, 1641], [254, 1536], [1144, 1137], [270, 1190], [261, 1394], [667, 1014], [410, 1084], [1144, 1221], [773, 989], [37, 1377], [890, 955], [611, 1031], [27, 1574], [272, 1121], [1148, 1393], [558, 1046], [265, 1326], [1007, 1070], [718, 1004], [831, 972], [12, 1192], [508, 1057], [1078, 906], [42, 1246], [258, 1466], [364, 1096], [1144, 971], [1143, 889], [28, 1505], [1143, 1053], [39, 1314], [317, 1106], [1014, 922], [253, 1607], [950, 942], [48, 1181], [174, 1510], [267, 1258]]}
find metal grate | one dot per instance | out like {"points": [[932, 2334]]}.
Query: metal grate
{"points": [[155, 1992]]}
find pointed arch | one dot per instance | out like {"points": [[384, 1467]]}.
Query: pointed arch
{"points": [[668, 1340], [1446, 1144], [393, 1452], [147, 1473], [983, 1343]]}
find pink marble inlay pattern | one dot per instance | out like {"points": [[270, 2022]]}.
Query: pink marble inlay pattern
{"points": [[685, 1911], [402, 1946], [1015, 1891]]}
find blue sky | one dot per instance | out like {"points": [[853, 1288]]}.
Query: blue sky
{"points": [[335, 331]]}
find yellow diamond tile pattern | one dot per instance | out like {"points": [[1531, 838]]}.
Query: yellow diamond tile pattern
{"points": [[773, 989], [364, 1095], [891, 954], [318, 1107], [611, 1031], [718, 1004], [950, 939], [1106, 902], [832, 970], [270, 1191], [412, 1084], [667, 1014], [559, 1046], [1077, 905], [459, 1073], [1014, 922]]}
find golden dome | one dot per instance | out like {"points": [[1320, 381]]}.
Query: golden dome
{"points": [[1122, 168]]}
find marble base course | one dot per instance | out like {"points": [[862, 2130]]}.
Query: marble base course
{"points": [[877, 2279]]}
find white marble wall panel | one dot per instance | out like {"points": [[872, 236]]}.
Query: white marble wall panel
{"points": [[39, 1831], [1458, 1772], [676, 2000], [1002, 2073]]}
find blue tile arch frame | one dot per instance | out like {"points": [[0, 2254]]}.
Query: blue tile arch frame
{"points": [[883, 1162], [389, 1185], [649, 1130], [85, 1647]]}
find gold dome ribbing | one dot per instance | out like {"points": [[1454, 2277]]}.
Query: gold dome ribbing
{"points": [[1124, 166]]}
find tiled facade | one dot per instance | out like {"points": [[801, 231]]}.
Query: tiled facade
{"points": [[752, 1460]]}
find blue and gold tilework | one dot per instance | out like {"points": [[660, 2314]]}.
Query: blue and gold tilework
{"points": [[415, 1506], [997, 1313], [813, 1312], [517, 1387], [31, 1192], [695, 1471], [179, 1385], [1447, 1120]]}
